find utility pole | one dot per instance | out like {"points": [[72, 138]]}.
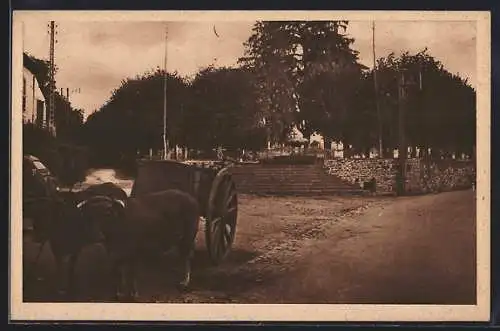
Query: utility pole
{"points": [[375, 85], [68, 92], [51, 115], [165, 139], [403, 149]]}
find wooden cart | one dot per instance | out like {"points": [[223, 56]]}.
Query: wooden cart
{"points": [[214, 189]]}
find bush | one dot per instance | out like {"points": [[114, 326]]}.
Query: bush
{"points": [[65, 161]]}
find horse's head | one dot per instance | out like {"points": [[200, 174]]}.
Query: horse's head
{"points": [[100, 214]]}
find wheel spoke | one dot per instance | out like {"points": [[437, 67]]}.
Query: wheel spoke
{"points": [[215, 237], [222, 241], [227, 192], [216, 220], [227, 233], [231, 215], [232, 211], [216, 226], [230, 199]]}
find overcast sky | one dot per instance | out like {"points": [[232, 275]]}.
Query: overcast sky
{"points": [[96, 56]]}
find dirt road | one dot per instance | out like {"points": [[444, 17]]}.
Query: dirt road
{"points": [[418, 250], [307, 250]]}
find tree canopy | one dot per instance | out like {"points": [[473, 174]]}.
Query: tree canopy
{"points": [[216, 109], [298, 67], [441, 106], [223, 110], [293, 73], [132, 119]]}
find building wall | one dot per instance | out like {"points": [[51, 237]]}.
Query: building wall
{"points": [[32, 99]]}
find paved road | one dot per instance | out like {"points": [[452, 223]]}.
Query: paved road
{"points": [[411, 250]]}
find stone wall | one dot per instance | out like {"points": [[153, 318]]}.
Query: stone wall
{"points": [[421, 176], [362, 170], [439, 176]]}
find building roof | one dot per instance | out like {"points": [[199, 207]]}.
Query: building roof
{"points": [[29, 64], [32, 66]]}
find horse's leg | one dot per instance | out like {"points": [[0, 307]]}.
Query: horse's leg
{"points": [[186, 255], [184, 284], [33, 265], [61, 257], [132, 278], [117, 275], [39, 253], [73, 260], [114, 272], [127, 281], [187, 247], [61, 274]]}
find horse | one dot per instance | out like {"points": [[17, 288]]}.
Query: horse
{"points": [[68, 224], [151, 224]]}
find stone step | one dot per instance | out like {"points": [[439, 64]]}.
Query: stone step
{"points": [[277, 179], [298, 186], [290, 180], [279, 171], [287, 180], [294, 187], [302, 173], [299, 174], [344, 192]]}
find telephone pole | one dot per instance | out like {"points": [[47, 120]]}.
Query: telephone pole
{"points": [[375, 85], [165, 139], [51, 115], [403, 149], [68, 92]]}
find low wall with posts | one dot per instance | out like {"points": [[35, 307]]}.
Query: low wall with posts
{"points": [[422, 176]]}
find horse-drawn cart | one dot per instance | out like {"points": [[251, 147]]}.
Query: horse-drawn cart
{"points": [[71, 219], [212, 186]]}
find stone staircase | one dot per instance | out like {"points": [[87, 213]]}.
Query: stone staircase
{"points": [[273, 179]]}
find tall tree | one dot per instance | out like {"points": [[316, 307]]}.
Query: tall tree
{"points": [[132, 119], [223, 110], [360, 126], [287, 55], [440, 105]]}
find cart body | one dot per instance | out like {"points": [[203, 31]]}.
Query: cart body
{"points": [[212, 186]]}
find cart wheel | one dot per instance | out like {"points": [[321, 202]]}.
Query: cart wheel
{"points": [[222, 215]]}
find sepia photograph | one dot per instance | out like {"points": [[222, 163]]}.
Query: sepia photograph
{"points": [[250, 165]]}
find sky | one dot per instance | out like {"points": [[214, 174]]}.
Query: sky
{"points": [[95, 57]]}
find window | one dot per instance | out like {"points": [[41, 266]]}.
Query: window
{"points": [[24, 94], [39, 112]]}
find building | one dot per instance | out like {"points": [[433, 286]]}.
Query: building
{"points": [[34, 104]]}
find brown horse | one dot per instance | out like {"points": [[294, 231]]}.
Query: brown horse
{"points": [[68, 224], [151, 224]]}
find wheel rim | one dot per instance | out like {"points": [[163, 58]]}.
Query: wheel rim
{"points": [[221, 225]]}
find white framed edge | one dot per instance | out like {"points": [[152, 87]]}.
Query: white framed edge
{"points": [[256, 312]]}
